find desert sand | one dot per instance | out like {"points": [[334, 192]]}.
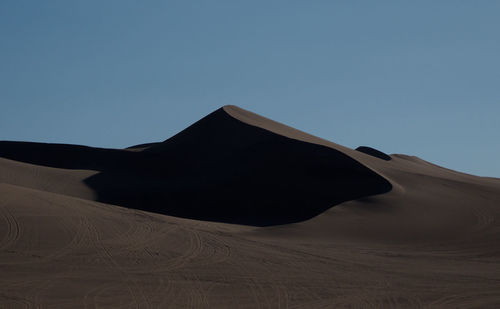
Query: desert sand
{"points": [[239, 211]]}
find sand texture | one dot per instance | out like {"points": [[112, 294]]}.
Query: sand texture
{"points": [[239, 211]]}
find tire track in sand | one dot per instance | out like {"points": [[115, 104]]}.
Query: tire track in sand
{"points": [[14, 229]]}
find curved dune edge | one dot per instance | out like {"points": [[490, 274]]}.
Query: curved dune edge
{"points": [[381, 167], [254, 119], [274, 126]]}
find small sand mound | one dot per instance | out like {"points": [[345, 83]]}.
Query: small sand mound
{"points": [[374, 153]]}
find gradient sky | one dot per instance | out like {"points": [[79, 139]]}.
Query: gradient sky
{"points": [[414, 77]]}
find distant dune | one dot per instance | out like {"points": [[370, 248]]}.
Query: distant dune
{"points": [[374, 152], [239, 211]]}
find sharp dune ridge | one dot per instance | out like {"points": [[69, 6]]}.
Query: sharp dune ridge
{"points": [[240, 211]]}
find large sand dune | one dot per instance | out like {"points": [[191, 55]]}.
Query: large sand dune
{"points": [[241, 211]]}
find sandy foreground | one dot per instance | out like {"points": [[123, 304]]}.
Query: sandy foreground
{"points": [[238, 211]]}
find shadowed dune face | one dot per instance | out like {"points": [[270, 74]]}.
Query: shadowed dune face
{"points": [[66, 156], [218, 169], [374, 152]]}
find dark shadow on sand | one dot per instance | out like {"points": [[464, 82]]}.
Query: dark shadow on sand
{"points": [[374, 153], [219, 169]]}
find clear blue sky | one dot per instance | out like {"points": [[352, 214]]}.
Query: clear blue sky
{"points": [[414, 77]]}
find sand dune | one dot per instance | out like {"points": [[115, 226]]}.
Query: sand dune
{"points": [[218, 169], [239, 211]]}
